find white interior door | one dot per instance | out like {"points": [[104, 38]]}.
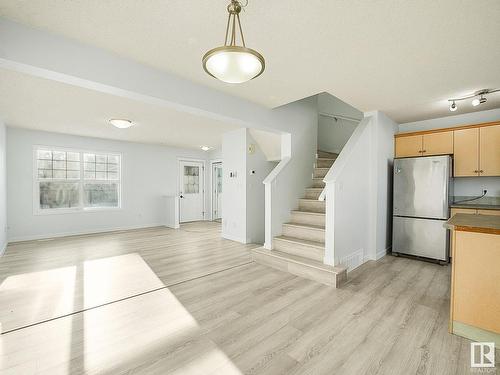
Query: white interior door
{"points": [[191, 191], [217, 191]]}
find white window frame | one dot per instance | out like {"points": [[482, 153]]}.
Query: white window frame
{"points": [[81, 181]]}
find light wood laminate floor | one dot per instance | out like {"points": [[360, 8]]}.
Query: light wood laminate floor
{"points": [[241, 318]]}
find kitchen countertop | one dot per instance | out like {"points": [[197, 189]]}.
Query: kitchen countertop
{"points": [[484, 203], [474, 223]]}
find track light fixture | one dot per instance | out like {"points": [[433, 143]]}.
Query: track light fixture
{"points": [[479, 98]]}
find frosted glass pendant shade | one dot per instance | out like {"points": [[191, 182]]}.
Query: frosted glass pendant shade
{"points": [[233, 64]]}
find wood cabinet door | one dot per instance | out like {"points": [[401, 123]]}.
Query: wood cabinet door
{"points": [[476, 271], [489, 212], [408, 146], [489, 151], [466, 152], [437, 144]]}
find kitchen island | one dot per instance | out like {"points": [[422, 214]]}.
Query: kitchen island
{"points": [[475, 280]]}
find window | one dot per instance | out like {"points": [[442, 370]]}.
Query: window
{"points": [[191, 179], [76, 180]]}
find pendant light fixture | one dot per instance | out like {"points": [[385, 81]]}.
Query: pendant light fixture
{"points": [[232, 63]]}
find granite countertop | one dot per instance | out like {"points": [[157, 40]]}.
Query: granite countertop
{"points": [[484, 203], [474, 223]]}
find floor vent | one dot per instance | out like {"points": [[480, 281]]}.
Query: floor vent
{"points": [[352, 261]]}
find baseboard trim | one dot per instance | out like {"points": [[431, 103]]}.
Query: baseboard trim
{"points": [[382, 253], [82, 233], [234, 238]]}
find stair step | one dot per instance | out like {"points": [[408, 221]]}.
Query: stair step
{"points": [[312, 205], [318, 182], [324, 162], [300, 266], [304, 232], [313, 193], [320, 172], [326, 154], [297, 246], [306, 217]]}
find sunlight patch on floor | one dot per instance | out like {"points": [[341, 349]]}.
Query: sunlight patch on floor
{"points": [[31, 297], [34, 297]]}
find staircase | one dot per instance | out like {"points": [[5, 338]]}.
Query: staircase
{"points": [[301, 247]]}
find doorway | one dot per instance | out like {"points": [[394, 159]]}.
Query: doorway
{"points": [[217, 191], [191, 188]]}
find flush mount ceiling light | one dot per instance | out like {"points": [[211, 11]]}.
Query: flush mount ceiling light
{"points": [[232, 63], [205, 148], [479, 98], [121, 123]]}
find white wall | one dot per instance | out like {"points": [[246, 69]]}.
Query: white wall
{"points": [[97, 69], [463, 186], [333, 135], [382, 152], [302, 120], [359, 194], [451, 121], [243, 195], [148, 173], [234, 202], [3, 189]]}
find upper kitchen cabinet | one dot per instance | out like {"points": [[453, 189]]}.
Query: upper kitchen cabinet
{"points": [[475, 148], [408, 146], [489, 151], [437, 144], [466, 152]]}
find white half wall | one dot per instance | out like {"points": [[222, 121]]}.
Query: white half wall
{"points": [[149, 173], [3, 188], [463, 186], [359, 194]]}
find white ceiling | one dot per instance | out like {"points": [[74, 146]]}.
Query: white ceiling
{"points": [[37, 103], [402, 57]]}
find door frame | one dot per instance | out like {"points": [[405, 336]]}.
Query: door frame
{"points": [[204, 162], [212, 162]]}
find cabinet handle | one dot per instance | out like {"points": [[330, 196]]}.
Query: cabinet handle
{"points": [[481, 171], [424, 151], [476, 171]]}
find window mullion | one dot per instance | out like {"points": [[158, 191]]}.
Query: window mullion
{"points": [[81, 180]]}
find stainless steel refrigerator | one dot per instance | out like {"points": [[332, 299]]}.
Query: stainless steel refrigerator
{"points": [[422, 193]]}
